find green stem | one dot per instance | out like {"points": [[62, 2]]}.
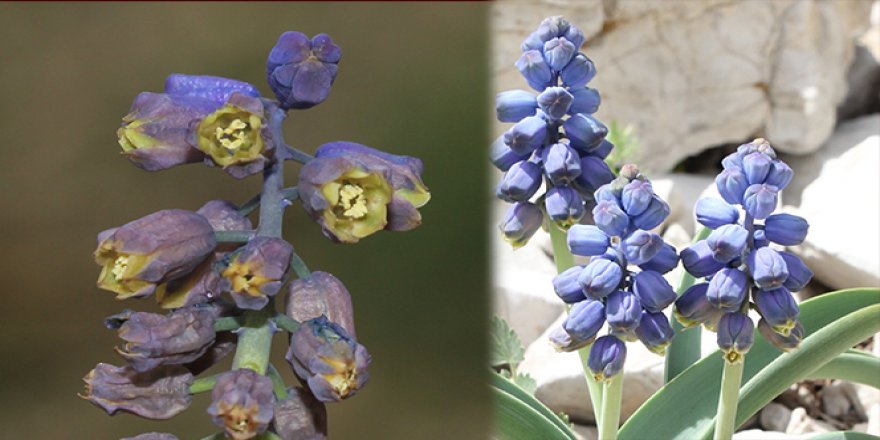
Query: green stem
{"points": [[299, 266], [565, 260], [286, 323], [203, 385], [611, 401], [295, 154], [277, 383], [228, 323], [725, 421], [254, 341], [233, 236]]}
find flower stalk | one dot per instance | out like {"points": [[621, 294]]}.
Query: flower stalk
{"points": [[611, 401], [725, 420]]}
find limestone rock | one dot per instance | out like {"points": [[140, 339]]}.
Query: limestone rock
{"points": [[775, 417], [801, 423]]}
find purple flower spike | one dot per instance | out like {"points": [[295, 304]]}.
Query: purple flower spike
{"points": [[520, 223], [520, 182], [653, 291], [567, 287], [699, 261], [735, 336], [778, 308], [257, 272], [300, 417], [558, 52], [586, 100], [641, 247], [727, 289], [768, 268], [655, 332], [693, 308], [606, 358], [786, 229], [321, 294], [242, 403], [564, 206], [587, 240], [798, 272], [784, 343], [514, 105], [301, 71], [563, 341], [585, 319], [623, 311], [732, 184], [534, 69], [555, 102], [152, 340], [527, 135], [727, 242], [714, 213], [584, 131], [600, 278], [664, 261], [158, 394], [760, 200], [578, 72], [561, 163]]}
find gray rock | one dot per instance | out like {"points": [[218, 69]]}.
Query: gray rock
{"points": [[775, 417], [835, 399]]}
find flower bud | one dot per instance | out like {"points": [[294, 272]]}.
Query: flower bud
{"points": [[301, 71], [320, 294], [584, 131], [594, 173], [760, 200], [768, 268], [760, 239], [756, 166], [564, 206], [587, 240], [655, 332], [566, 285], [502, 156], [257, 271], [236, 137], [780, 175], [585, 319], [520, 223], [693, 307], [713, 213], [699, 261], [162, 246], [300, 416], [727, 289], [760, 145], [641, 247], [514, 105], [651, 217], [330, 361], [623, 310], [157, 394], [637, 196], [555, 102], [534, 69], [579, 71], [653, 290], [784, 343], [732, 184], [585, 100], [736, 334], [527, 135], [663, 261], [242, 403], [778, 308], [152, 339], [610, 218], [798, 272], [520, 182], [603, 149], [558, 52], [562, 341], [732, 160], [727, 242], [562, 164], [600, 278], [786, 229], [609, 192], [215, 89], [606, 358]]}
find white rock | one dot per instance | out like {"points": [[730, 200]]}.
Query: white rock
{"points": [[563, 388], [682, 191], [801, 423], [694, 74], [775, 417], [837, 190], [869, 401], [585, 432], [860, 427]]}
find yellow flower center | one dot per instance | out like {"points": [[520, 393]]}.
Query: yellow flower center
{"points": [[352, 201], [119, 266], [343, 379], [244, 279], [233, 136], [238, 420]]}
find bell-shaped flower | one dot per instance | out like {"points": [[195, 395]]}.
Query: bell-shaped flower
{"points": [[242, 403], [663, 261], [760, 200], [567, 287], [562, 164], [610, 218], [606, 357], [699, 261], [735, 336], [756, 166], [727, 242], [534, 69], [656, 212], [236, 137], [520, 223], [301, 71], [157, 394], [786, 229], [768, 268], [594, 173], [584, 131], [585, 100], [785, 343], [732, 184], [714, 213], [563, 341], [502, 156], [636, 196], [579, 71], [798, 272], [727, 289], [520, 182], [558, 52], [778, 308], [653, 290], [178, 338], [300, 416], [555, 102], [587, 240], [564, 206], [600, 278], [655, 332], [320, 294], [257, 271], [780, 174], [514, 105], [585, 319], [693, 308], [527, 135], [623, 309], [641, 246]]}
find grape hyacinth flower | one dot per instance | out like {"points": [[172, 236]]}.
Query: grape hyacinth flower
{"points": [[218, 276], [555, 141], [744, 268]]}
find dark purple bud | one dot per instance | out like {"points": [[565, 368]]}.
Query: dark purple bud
{"points": [[760, 200], [655, 332], [579, 71], [786, 229], [606, 358], [637, 196], [158, 394], [502, 156], [664, 261], [152, 436], [641, 247], [760, 239], [558, 52], [527, 135], [242, 403], [713, 213], [301, 71], [780, 175], [514, 105], [594, 173], [600, 278], [555, 102], [798, 272], [534, 69], [768, 268], [736, 334], [623, 310], [162, 246], [778, 308], [727, 242], [320, 294], [653, 290], [198, 287], [520, 223], [330, 361], [651, 217], [564, 206], [585, 319], [756, 166], [300, 416], [567, 287], [257, 271], [215, 89], [584, 131], [520, 182], [586, 100], [603, 150], [693, 308], [152, 339], [699, 261], [561, 340], [732, 184], [610, 218], [587, 240], [784, 343], [727, 289], [562, 164]]}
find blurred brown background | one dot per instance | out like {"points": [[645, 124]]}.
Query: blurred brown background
{"points": [[412, 80]]}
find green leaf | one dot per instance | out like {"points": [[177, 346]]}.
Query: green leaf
{"points": [[853, 366], [497, 381], [515, 420], [665, 416], [844, 435], [505, 346], [524, 381], [626, 144]]}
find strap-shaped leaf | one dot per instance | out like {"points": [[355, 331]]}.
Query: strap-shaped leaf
{"points": [[514, 390], [515, 420]]}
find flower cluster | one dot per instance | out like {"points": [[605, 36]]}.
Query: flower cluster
{"points": [[741, 267], [555, 140], [623, 284], [219, 277]]}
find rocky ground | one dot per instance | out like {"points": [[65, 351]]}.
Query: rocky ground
{"points": [[695, 79]]}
